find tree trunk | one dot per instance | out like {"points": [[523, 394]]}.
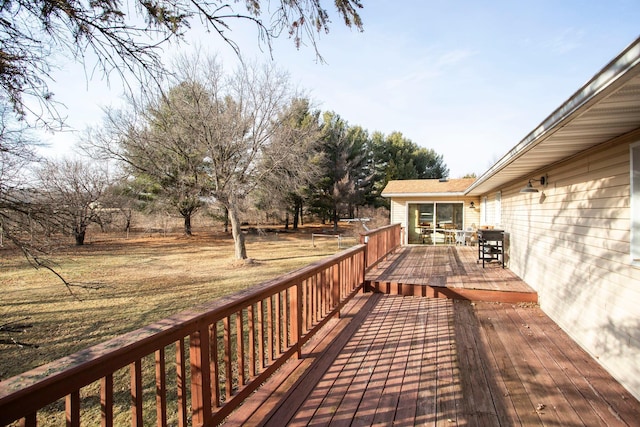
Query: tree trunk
{"points": [[297, 210], [79, 234], [226, 220], [236, 231], [187, 224], [128, 215], [286, 221]]}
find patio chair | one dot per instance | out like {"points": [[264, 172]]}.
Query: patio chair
{"points": [[469, 236], [426, 235]]}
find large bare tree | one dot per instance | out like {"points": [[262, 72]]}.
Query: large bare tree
{"points": [[233, 133], [255, 138]]}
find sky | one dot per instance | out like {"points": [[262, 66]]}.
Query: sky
{"points": [[468, 79]]}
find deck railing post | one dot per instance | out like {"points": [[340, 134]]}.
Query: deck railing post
{"points": [[366, 253], [200, 376]]}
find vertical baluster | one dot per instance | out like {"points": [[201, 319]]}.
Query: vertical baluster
{"points": [[335, 284], [303, 305], [227, 359], [262, 363], [295, 304], [181, 383], [106, 400], [136, 393], [316, 300], [308, 304], [320, 286], [277, 319], [285, 318], [348, 275], [240, 348], [270, 329], [325, 292], [340, 284], [161, 388], [30, 420], [72, 409], [314, 293], [346, 272], [215, 365], [361, 269], [252, 340]]}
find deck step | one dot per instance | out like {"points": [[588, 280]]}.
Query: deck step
{"points": [[428, 291], [447, 272]]}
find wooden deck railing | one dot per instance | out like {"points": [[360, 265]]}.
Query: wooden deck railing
{"points": [[381, 242], [193, 368]]}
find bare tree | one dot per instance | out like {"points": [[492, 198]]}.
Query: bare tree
{"points": [[69, 193], [254, 139], [233, 133], [285, 186]]}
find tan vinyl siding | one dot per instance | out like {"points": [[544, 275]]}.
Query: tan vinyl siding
{"points": [[571, 243], [398, 213]]}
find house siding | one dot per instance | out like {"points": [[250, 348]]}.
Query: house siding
{"points": [[571, 242]]}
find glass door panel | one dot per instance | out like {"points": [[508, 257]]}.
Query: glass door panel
{"points": [[421, 223]]}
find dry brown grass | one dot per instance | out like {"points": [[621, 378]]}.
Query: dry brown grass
{"points": [[129, 283]]}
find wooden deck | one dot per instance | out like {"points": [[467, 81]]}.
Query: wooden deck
{"points": [[394, 360], [447, 272]]}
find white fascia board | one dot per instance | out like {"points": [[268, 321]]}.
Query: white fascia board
{"points": [[457, 194]]}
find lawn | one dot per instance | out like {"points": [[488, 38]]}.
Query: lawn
{"points": [[122, 284]]}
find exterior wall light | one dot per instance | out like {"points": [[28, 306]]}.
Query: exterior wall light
{"points": [[472, 205], [529, 188]]}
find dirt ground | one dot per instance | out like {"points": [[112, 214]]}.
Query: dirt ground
{"points": [[120, 284]]}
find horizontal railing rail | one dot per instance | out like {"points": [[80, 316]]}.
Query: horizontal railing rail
{"points": [[197, 366], [380, 243]]}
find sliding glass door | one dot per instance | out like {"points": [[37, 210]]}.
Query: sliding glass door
{"points": [[434, 222]]}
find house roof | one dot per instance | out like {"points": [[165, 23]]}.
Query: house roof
{"points": [[606, 107], [426, 187]]}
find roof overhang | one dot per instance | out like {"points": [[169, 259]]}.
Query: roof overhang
{"points": [[606, 107]]}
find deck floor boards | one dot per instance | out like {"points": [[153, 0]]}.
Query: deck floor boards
{"points": [[447, 271], [409, 360]]}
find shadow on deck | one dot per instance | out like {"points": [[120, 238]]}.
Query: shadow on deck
{"points": [[447, 272], [393, 360]]}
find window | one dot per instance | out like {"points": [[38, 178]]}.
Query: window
{"points": [[483, 211], [635, 203]]}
